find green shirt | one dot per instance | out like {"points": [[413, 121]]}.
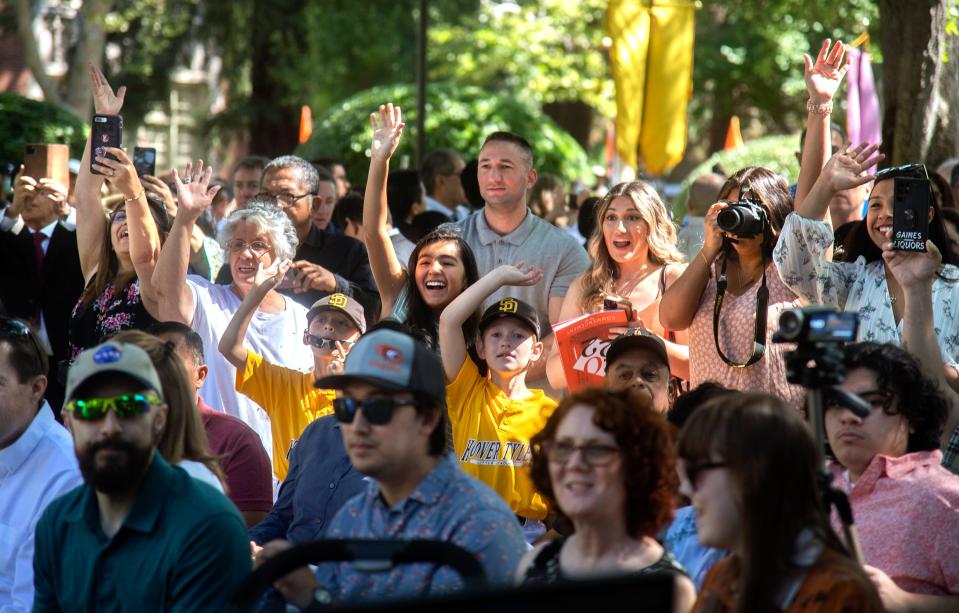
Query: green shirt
{"points": [[183, 547]]}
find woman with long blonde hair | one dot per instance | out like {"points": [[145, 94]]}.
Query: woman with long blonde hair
{"points": [[634, 258]]}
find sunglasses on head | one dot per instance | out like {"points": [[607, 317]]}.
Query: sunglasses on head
{"points": [[324, 343], [17, 329], [377, 411], [915, 171], [124, 405]]}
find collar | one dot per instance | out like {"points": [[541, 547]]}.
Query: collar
{"points": [[315, 237], [13, 457], [48, 229], [430, 490], [146, 509], [517, 237], [895, 468], [432, 204]]}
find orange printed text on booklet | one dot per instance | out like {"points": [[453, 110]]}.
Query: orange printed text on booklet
{"points": [[582, 343]]}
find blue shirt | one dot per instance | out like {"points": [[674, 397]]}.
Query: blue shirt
{"points": [[320, 481], [182, 547], [448, 505], [682, 541]]}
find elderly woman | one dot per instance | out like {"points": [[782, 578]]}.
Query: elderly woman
{"points": [[259, 234], [608, 466], [750, 466]]}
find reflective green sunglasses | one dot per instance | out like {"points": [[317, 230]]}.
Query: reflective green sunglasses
{"points": [[125, 405]]}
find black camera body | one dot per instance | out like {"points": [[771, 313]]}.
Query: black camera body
{"points": [[744, 219], [816, 325]]}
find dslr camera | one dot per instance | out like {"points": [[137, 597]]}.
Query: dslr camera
{"points": [[816, 325], [744, 219]]}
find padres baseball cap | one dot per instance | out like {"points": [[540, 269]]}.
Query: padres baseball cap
{"points": [[637, 338], [511, 307], [393, 361], [117, 358], [342, 303]]}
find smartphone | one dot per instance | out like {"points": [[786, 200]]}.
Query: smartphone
{"points": [[288, 279], [910, 214], [145, 161], [48, 161], [107, 132], [614, 304]]}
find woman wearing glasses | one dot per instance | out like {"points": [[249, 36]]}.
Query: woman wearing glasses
{"points": [[609, 467], [860, 280], [750, 467], [259, 236]]}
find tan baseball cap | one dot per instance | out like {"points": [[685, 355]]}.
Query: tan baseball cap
{"points": [[342, 303], [112, 357]]}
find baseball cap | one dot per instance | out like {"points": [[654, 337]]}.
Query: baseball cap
{"points": [[342, 303], [511, 307], [394, 361], [637, 338], [116, 358]]}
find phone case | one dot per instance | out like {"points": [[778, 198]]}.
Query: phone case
{"points": [[107, 132], [51, 161], [910, 214], [144, 160]]}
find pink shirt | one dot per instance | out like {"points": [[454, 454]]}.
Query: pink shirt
{"points": [[907, 514], [736, 337]]}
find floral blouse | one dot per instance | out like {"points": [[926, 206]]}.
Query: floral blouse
{"points": [[860, 287], [107, 314]]}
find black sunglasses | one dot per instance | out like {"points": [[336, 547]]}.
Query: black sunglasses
{"points": [[377, 411], [694, 470], [17, 329], [917, 171], [324, 343]]}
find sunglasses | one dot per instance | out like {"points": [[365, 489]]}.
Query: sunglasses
{"points": [[592, 455], [916, 171], [119, 216], [377, 411], [125, 406], [17, 329], [694, 470], [325, 343]]}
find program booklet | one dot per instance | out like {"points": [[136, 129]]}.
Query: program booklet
{"points": [[582, 343]]}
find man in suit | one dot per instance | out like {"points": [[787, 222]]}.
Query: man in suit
{"points": [[40, 268]]}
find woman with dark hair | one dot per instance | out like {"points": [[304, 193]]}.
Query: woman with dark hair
{"points": [[118, 252], [860, 281], [608, 466], [441, 265], [750, 467]]}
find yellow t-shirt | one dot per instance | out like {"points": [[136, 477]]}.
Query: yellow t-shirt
{"points": [[491, 436], [288, 397]]}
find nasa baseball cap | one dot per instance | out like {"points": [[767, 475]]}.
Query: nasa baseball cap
{"points": [[511, 307], [115, 358], [393, 361], [343, 304]]}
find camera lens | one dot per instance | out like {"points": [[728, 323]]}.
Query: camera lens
{"points": [[729, 219], [790, 324]]}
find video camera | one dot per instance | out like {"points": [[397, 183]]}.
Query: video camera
{"points": [[816, 325], [744, 219]]}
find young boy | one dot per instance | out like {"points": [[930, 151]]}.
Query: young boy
{"points": [[288, 396], [494, 417]]}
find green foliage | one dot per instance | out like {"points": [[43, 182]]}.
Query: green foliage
{"points": [[25, 121], [458, 117], [551, 50], [777, 153]]}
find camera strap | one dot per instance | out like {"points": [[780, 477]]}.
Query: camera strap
{"points": [[762, 302]]}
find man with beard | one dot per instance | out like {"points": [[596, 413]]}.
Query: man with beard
{"points": [[140, 534]]}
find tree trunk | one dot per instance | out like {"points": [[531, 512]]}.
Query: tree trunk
{"points": [[919, 89], [31, 52], [93, 38]]}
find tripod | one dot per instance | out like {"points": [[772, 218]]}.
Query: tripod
{"points": [[818, 367]]}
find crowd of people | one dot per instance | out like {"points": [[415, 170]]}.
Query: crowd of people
{"points": [[245, 365]]}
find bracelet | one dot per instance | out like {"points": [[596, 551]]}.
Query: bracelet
{"points": [[137, 197], [819, 109]]}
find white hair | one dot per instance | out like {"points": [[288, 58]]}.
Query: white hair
{"points": [[267, 217]]}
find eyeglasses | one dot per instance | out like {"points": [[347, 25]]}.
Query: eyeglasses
{"points": [[593, 454], [324, 343], [16, 328], [284, 200], [694, 470], [119, 216], [236, 245], [377, 411], [125, 406], [917, 171]]}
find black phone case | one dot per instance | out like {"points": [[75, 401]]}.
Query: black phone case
{"points": [[144, 160], [910, 214], [107, 132]]}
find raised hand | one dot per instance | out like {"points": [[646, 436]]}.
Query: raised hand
{"points": [[105, 102], [913, 268], [268, 278], [824, 76], [386, 131], [193, 191], [161, 189], [120, 172], [847, 169], [521, 274]]}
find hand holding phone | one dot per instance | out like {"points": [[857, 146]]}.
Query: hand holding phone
{"points": [[619, 304], [107, 132]]}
